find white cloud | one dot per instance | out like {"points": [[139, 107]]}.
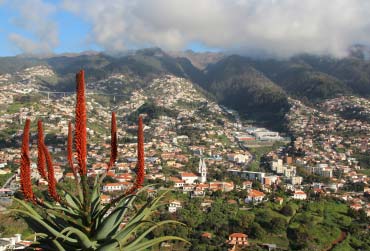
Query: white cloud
{"points": [[278, 27], [35, 18]]}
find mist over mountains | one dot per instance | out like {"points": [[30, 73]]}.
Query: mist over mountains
{"points": [[257, 88]]}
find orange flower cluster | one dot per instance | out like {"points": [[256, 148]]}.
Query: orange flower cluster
{"points": [[26, 185], [80, 124], [113, 142], [140, 172], [70, 150], [40, 154], [140, 154], [51, 177]]}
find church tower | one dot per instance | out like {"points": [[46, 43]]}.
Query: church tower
{"points": [[202, 170]]}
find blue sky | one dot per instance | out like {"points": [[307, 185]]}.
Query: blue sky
{"points": [[73, 31], [281, 28]]}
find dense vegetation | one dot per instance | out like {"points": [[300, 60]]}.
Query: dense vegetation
{"points": [[295, 225], [236, 84], [152, 111]]}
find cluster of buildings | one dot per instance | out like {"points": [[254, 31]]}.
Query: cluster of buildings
{"points": [[329, 142], [171, 145]]}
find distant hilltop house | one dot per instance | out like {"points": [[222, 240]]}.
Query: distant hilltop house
{"points": [[255, 196], [105, 199], [237, 240], [173, 206], [189, 178], [299, 195], [238, 158], [118, 186]]}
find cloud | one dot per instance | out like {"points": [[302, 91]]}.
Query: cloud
{"points": [[35, 18], [276, 27]]}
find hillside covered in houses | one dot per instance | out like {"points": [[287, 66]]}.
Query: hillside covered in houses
{"points": [[236, 184]]}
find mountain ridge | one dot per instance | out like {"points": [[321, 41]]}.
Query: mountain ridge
{"points": [[257, 88]]}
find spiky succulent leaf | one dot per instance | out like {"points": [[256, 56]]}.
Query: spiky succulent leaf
{"points": [[82, 237], [111, 223], [151, 229], [46, 227], [150, 243], [72, 201]]}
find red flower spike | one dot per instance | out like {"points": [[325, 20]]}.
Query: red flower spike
{"points": [[25, 168], [41, 164], [51, 177], [140, 154], [140, 173], [70, 151], [80, 124], [113, 142]]}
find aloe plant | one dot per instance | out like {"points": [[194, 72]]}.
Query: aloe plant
{"points": [[81, 222]]}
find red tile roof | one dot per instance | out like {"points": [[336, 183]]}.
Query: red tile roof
{"points": [[238, 235]]}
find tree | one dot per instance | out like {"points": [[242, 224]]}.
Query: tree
{"points": [[192, 216], [287, 210], [278, 225], [256, 231]]}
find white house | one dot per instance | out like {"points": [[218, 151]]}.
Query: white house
{"points": [[238, 158], [299, 195], [296, 180], [189, 178], [119, 186], [254, 196], [173, 206], [247, 184]]}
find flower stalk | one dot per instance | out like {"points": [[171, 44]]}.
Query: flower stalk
{"points": [[113, 142], [52, 189], [140, 172], [25, 168], [41, 162], [80, 124]]}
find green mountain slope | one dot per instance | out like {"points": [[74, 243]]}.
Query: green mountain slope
{"points": [[235, 83], [301, 80], [256, 88]]}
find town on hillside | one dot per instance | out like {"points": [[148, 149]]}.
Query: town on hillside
{"points": [[237, 185]]}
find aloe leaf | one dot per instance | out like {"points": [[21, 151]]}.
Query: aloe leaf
{"points": [[73, 201], [69, 211], [58, 245], [123, 235], [111, 223], [46, 226], [85, 241], [147, 244], [29, 208], [95, 199], [69, 220], [100, 218], [141, 216], [111, 246], [110, 205], [143, 235]]}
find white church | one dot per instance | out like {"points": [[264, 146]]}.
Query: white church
{"points": [[190, 178], [202, 170]]}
